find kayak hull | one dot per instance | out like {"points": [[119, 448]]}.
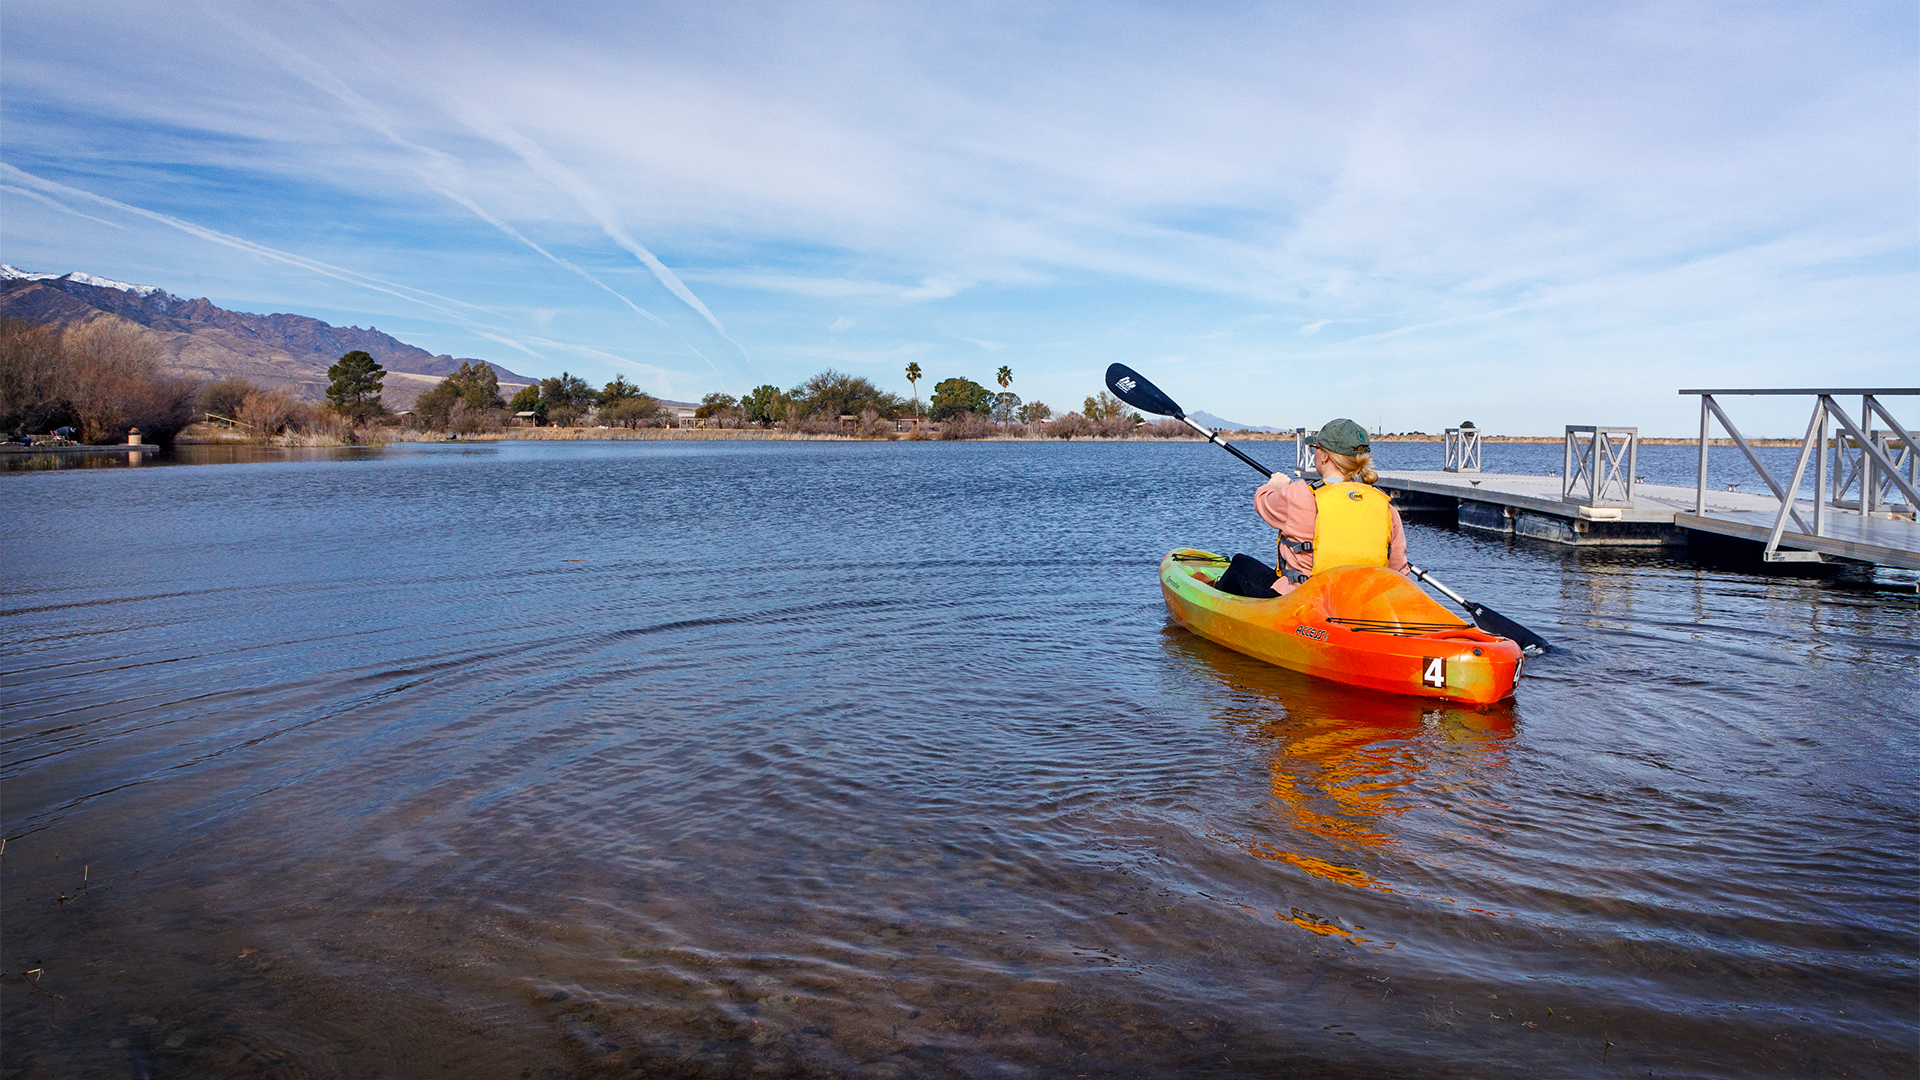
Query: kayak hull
{"points": [[1360, 625]]}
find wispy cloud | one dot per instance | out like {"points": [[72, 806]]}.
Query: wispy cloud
{"points": [[833, 287], [440, 171], [403, 292]]}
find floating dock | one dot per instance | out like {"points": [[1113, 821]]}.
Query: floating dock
{"points": [[1860, 475], [1657, 515]]}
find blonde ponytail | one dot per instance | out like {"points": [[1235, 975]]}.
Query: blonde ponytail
{"points": [[1354, 466]]}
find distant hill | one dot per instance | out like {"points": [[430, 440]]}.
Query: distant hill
{"points": [[204, 341], [1207, 419]]}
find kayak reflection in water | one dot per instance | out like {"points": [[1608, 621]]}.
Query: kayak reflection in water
{"points": [[1337, 518], [1345, 765]]}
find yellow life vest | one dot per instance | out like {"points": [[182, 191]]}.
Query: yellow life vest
{"points": [[1353, 526]]}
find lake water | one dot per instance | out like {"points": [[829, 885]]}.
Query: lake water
{"points": [[820, 759]]}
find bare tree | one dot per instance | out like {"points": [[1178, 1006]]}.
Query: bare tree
{"points": [[33, 377], [116, 381]]}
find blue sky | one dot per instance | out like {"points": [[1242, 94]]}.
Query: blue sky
{"points": [[1528, 215]]}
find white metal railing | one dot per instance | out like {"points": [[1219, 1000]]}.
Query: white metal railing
{"points": [[1302, 453], [1874, 464], [1463, 450], [1605, 459]]}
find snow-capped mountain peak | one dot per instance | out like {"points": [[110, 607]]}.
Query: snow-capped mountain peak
{"points": [[8, 272]]}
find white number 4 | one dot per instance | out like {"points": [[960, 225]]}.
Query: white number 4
{"points": [[1434, 673]]}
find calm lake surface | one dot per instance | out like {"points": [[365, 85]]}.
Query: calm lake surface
{"points": [[716, 759]]}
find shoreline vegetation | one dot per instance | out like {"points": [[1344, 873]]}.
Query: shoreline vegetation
{"points": [[93, 381], [207, 434]]}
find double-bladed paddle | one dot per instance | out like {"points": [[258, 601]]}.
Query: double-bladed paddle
{"points": [[1134, 389]]}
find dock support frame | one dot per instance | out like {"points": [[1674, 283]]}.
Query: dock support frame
{"points": [[1597, 454], [1463, 450], [1878, 465]]}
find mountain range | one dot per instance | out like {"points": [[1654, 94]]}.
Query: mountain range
{"points": [[201, 340]]}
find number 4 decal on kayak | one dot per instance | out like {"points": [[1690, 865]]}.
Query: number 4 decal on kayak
{"points": [[1433, 672]]}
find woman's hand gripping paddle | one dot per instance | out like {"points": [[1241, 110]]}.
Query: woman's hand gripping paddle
{"points": [[1134, 389]]}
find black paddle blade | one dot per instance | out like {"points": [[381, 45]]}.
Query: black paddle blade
{"points": [[1133, 388], [1500, 626]]}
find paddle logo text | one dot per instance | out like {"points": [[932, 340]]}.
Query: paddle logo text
{"points": [[1433, 672], [1126, 384]]}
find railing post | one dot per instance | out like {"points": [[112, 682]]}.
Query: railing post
{"points": [[1633, 461], [1566, 469], [1869, 483], [1700, 492], [1820, 469]]}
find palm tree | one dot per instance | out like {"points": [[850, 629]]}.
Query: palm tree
{"points": [[913, 377], [1005, 375]]}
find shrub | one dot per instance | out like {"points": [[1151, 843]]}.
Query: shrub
{"points": [[223, 398], [834, 394], [966, 425], [635, 410], [465, 419], [1070, 425], [271, 412], [874, 426]]}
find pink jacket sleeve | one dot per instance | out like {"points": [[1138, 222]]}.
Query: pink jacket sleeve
{"points": [[1397, 545], [1289, 507]]}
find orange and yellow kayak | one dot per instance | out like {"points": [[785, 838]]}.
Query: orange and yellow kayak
{"points": [[1359, 625]]}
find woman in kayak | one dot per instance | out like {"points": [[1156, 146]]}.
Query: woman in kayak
{"points": [[1338, 518]]}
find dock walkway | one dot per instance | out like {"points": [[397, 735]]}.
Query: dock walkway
{"points": [[110, 448]]}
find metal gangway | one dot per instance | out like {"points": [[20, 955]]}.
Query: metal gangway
{"points": [[1850, 454]]}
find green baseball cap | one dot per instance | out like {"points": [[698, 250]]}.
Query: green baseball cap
{"points": [[1341, 436]]}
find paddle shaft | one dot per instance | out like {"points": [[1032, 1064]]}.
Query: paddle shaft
{"points": [[1428, 578]]}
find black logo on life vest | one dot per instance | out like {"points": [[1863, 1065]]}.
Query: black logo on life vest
{"points": [[1433, 672], [1355, 496]]}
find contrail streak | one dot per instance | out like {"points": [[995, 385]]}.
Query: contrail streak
{"points": [[442, 172], [590, 200], [60, 206]]}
